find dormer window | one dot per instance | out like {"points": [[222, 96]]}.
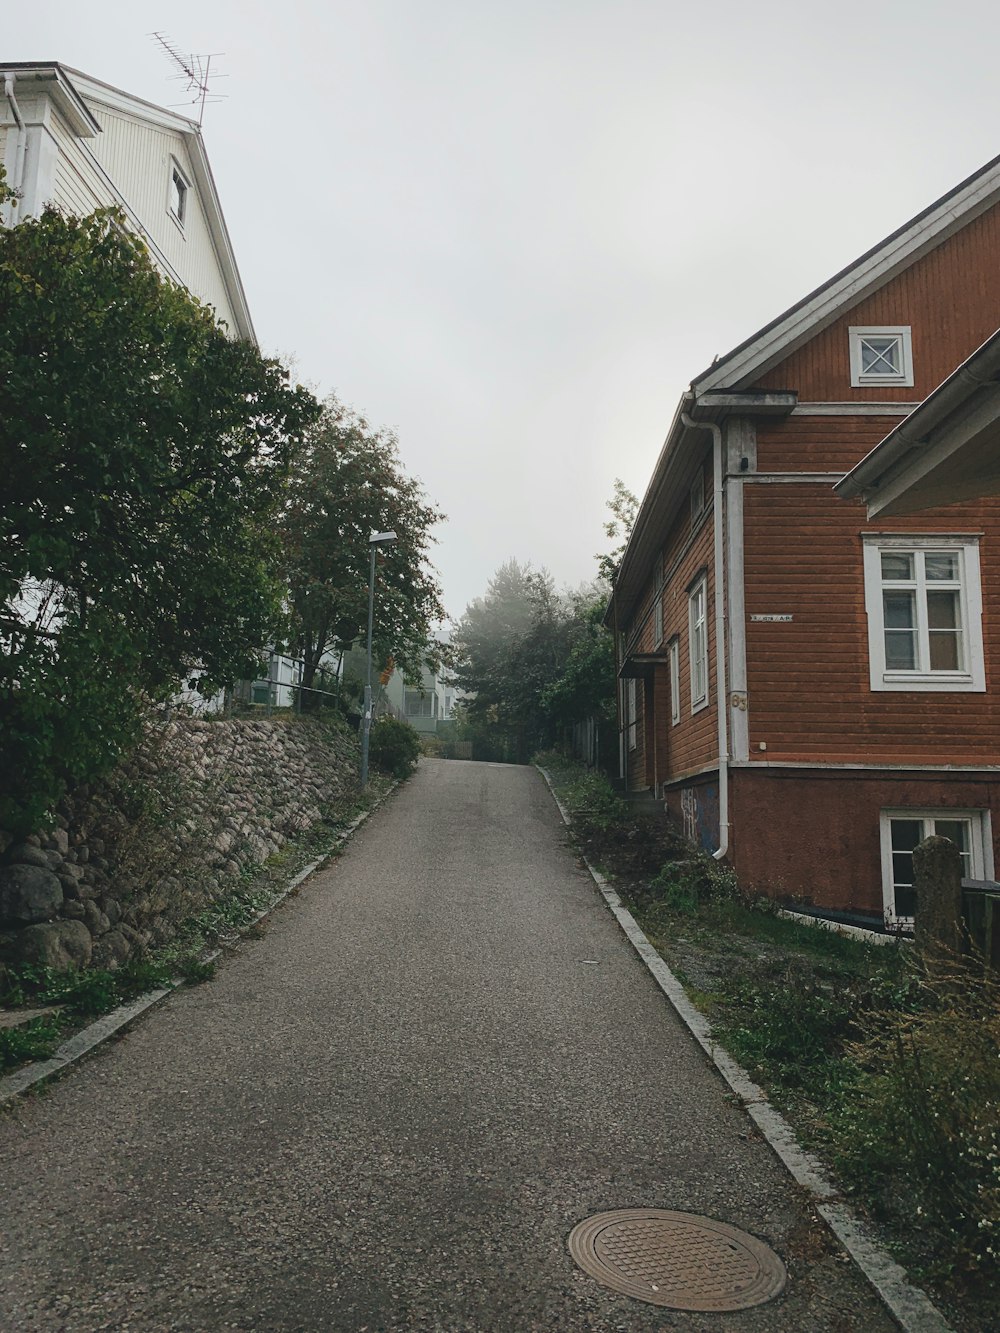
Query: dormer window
{"points": [[881, 356], [178, 194]]}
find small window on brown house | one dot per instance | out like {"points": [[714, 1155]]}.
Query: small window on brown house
{"points": [[881, 356], [658, 602], [697, 497]]}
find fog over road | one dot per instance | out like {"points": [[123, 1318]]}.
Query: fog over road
{"points": [[390, 1111]]}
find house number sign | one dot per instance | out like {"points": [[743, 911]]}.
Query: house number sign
{"points": [[771, 619]]}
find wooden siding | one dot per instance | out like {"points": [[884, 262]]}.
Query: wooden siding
{"points": [[137, 156], [951, 300], [77, 186], [808, 680], [665, 750], [819, 444]]}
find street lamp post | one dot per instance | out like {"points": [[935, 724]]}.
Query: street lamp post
{"points": [[376, 540]]}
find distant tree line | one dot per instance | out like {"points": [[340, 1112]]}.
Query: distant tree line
{"points": [[171, 506], [532, 661]]}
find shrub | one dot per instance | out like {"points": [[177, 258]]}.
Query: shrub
{"points": [[394, 746], [923, 1135], [788, 1019]]}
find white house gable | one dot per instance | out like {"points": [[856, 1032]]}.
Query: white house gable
{"points": [[82, 145]]}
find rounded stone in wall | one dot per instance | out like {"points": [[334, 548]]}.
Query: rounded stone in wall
{"points": [[24, 853], [28, 894], [57, 944], [111, 950]]}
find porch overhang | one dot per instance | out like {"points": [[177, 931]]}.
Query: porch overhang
{"points": [[640, 666], [945, 451]]}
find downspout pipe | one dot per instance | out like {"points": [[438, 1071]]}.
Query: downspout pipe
{"points": [[722, 688], [15, 181]]}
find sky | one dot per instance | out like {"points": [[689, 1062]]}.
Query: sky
{"points": [[514, 233]]}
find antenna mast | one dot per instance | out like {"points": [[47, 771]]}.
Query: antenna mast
{"points": [[194, 71]]}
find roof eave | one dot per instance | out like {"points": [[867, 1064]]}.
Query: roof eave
{"points": [[881, 468], [64, 94]]}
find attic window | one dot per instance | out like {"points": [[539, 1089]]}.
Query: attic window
{"points": [[881, 356], [178, 194]]}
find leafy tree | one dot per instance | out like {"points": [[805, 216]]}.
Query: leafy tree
{"points": [[508, 646], [624, 507], [533, 662], [347, 482], [584, 687], [143, 455]]}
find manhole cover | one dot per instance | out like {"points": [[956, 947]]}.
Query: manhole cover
{"points": [[678, 1260]]}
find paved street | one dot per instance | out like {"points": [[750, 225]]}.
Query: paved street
{"points": [[390, 1110]]}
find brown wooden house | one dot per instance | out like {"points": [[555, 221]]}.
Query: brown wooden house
{"points": [[810, 691]]}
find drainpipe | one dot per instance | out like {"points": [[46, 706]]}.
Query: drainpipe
{"points": [[722, 692], [18, 174]]}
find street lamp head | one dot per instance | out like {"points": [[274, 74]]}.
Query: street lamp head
{"points": [[382, 539]]}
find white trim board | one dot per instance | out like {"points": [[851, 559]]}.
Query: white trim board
{"points": [[865, 409]]}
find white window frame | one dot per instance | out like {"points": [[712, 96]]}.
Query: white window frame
{"points": [[674, 660], [658, 602], [419, 703], [980, 850], [972, 678], [861, 379], [631, 712], [698, 641], [178, 176]]}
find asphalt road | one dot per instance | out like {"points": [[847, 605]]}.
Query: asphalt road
{"points": [[390, 1111]]}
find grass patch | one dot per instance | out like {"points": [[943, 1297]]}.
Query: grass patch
{"points": [[36, 1040]]}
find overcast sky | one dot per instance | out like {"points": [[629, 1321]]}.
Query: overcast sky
{"points": [[514, 232]]}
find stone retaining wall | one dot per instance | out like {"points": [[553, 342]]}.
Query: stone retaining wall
{"points": [[199, 805]]}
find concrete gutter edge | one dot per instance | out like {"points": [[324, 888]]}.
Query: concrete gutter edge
{"points": [[907, 1304], [88, 1038]]}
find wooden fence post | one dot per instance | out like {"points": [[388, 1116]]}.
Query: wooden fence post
{"points": [[937, 878]]}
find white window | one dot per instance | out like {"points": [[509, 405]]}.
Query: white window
{"points": [[631, 712], [902, 830], [658, 602], [418, 704], [698, 642], [674, 656], [177, 195], [881, 356], [697, 497], [924, 606]]}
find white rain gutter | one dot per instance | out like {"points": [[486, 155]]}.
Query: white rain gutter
{"points": [[15, 181], [722, 690]]}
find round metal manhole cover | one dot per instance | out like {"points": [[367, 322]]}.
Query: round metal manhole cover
{"points": [[677, 1260]]}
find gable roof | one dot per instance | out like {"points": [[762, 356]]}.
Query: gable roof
{"points": [[877, 266], [75, 94], [716, 391]]}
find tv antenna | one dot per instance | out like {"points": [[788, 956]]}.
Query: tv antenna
{"points": [[194, 72]]}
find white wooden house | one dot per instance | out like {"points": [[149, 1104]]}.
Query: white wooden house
{"points": [[69, 140]]}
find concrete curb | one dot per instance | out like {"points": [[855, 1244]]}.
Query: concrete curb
{"points": [[84, 1041], [907, 1304]]}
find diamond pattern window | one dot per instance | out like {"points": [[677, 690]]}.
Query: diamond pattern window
{"points": [[881, 356]]}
